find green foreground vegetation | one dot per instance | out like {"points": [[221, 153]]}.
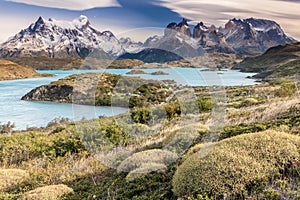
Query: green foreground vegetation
{"points": [[164, 150]]}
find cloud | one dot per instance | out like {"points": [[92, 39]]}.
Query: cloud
{"points": [[70, 4]]}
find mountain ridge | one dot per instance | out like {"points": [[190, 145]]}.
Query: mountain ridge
{"points": [[61, 39]]}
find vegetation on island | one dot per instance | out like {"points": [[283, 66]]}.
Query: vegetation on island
{"points": [[159, 73], [136, 71], [102, 89]]}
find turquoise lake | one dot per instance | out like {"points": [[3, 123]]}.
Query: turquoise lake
{"points": [[37, 114]]}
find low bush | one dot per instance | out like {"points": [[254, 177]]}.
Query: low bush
{"points": [[205, 104], [10, 178], [139, 159], [239, 166], [140, 115], [52, 192]]}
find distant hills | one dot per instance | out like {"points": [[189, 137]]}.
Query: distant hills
{"points": [[278, 62], [77, 39], [10, 70]]}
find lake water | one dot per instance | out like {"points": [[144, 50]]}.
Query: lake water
{"points": [[37, 114]]}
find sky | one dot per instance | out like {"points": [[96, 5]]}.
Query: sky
{"points": [[140, 19]]}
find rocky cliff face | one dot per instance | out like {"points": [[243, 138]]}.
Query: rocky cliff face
{"points": [[177, 39], [254, 35], [181, 27], [211, 39], [60, 39], [243, 37]]}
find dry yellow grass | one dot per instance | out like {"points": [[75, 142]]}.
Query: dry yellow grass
{"points": [[52, 192], [258, 113], [10, 178], [10, 70]]}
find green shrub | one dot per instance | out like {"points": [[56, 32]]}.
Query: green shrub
{"points": [[173, 110], [205, 104], [230, 131], [200, 197], [68, 145], [237, 166], [140, 115], [115, 134], [272, 195], [52, 192], [112, 185], [288, 88]]}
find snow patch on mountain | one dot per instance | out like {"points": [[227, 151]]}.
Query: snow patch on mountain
{"points": [[55, 38]]}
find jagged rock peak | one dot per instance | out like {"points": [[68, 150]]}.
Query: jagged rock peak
{"points": [[40, 20], [182, 27], [81, 22], [255, 34], [183, 23]]}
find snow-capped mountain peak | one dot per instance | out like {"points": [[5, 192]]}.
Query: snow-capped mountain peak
{"points": [[81, 22], [256, 35], [56, 38]]}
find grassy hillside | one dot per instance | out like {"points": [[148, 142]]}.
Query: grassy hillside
{"points": [[10, 70], [149, 154], [278, 62]]}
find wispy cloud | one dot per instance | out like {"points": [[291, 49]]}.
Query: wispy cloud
{"points": [[70, 4]]}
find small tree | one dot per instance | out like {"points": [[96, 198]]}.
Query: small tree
{"points": [[140, 115]]}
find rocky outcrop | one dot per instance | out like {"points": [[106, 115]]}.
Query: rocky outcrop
{"points": [[55, 93], [181, 27]]}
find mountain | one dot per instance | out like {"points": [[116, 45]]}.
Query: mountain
{"points": [[131, 46], [176, 39], [211, 39], [152, 55], [253, 36], [61, 39], [78, 39], [243, 37], [282, 61]]}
